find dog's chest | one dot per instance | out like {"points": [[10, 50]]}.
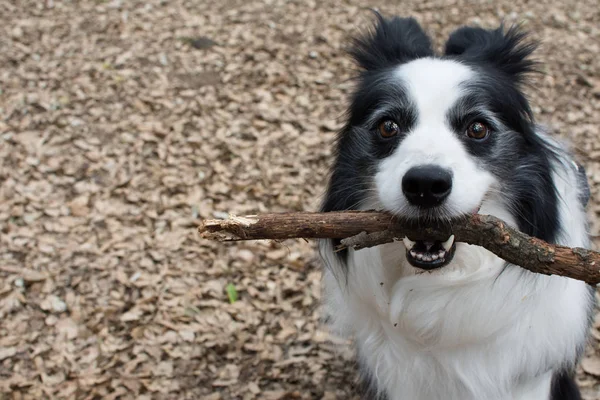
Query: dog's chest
{"points": [[437, 345], [457, 335], [443, 310]]}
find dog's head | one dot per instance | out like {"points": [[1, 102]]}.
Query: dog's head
{"points": [[435, 137]]}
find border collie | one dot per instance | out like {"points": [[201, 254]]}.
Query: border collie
{"points": [[430, 137]]}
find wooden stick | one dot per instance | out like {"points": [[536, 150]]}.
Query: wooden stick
{"points": [[360, 229]]}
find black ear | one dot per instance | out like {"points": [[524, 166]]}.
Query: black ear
{"points": [[509, 51], [391, 42]]}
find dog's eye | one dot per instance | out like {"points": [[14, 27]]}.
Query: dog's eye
{"points": [[478, 130], [388, 128]]}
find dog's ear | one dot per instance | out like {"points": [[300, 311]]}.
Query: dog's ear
{"points": [[391, 42], [508, 51]]}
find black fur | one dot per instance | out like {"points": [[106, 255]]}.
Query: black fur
{"points": [[584, 186], [564, 387], [358, 150], [508, 51], [391, 42]]}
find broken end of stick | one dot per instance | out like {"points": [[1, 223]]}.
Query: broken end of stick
{"points": [[219, 236], [225, 230], [243, 221]]}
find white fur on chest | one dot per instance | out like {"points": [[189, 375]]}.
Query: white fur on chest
{"points": [[466, 331], [468, 340]]}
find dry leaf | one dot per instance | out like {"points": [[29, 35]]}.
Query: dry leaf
{"points": [[591, 366], [7, 352]]}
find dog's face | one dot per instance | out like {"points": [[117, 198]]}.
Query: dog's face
{"points": [[431, 140], [434, 138]]}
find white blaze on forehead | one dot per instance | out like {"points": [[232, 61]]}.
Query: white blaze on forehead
{"points": [[433, 85]]}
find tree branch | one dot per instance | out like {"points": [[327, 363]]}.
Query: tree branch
{"points": [[360, 229]]}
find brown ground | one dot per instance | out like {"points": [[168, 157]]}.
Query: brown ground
{"points": [[118, 132]]}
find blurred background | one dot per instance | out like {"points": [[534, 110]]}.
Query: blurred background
{"points": [[123, 123]]}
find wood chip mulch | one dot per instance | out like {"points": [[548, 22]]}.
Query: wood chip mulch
{"points": [[123, 123]]}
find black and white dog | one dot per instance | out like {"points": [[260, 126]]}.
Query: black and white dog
{"points": [[431, 137]]}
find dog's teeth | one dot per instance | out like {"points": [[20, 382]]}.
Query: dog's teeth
{"points": [[409, 244], [434, 257], [419, 256], [412, 253], [441, 253], [448, 243]]}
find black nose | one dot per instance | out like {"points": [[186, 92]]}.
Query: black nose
{"points": [[427, 185]]}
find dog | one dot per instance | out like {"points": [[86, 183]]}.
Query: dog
{"points": [[431, 137]]}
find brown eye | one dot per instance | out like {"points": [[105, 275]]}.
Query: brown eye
{"points": [[388, 128], [478, 130]]}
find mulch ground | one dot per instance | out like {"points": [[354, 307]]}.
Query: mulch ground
{"points": [[123, 123]]}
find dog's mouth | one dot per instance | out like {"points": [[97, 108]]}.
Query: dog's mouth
{"points": [[429, 254]]}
